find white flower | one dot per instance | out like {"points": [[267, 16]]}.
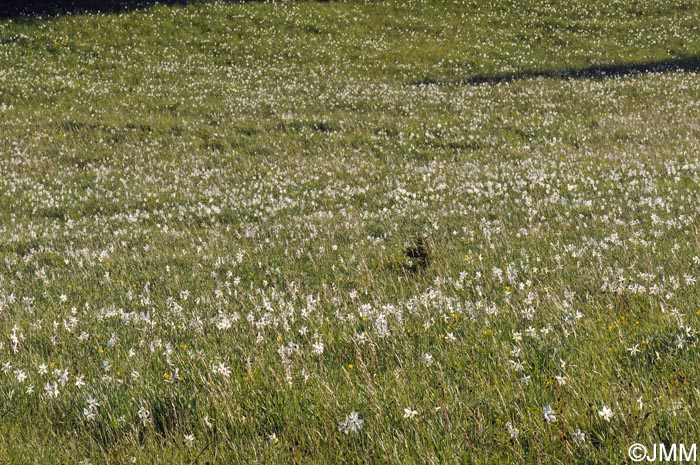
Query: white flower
{"points": [[51, 390], [352, 423], [317, 348], [189, 440], [92, 402], [605, 413], [62, 376], [579, 436], [549, 415], [513, 431], [516, 365], [409, 413], [427, 359], [20, 375], [680, 341], [144, 415], [561, 380], [89, 413], [221, 369], [634, 350]]}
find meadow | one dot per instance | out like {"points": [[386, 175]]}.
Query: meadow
{"points": [[389, 232]]}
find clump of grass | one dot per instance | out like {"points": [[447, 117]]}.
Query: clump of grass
{"points": [[419, 253]]}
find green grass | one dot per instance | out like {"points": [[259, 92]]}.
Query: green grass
{"points": [[193, 198]]}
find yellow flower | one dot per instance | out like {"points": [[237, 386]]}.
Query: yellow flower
{"points": [[166, 376]]}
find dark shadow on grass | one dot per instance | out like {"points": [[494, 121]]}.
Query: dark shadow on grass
{"points": [[684, 64], [10, 9]]}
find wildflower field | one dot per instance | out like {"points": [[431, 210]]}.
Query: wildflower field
{"points": [[393, 232]]}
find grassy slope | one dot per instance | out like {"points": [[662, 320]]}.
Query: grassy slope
{"points": [[141, 153]]}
